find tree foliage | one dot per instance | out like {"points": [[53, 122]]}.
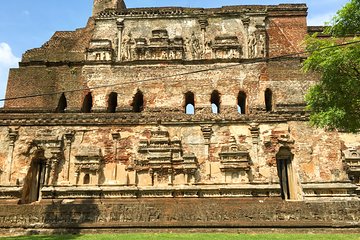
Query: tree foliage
{"points": [[346, 21], [334, 102]]}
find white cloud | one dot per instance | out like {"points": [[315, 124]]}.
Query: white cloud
{"points": [[7, 58], [320, 20], [7, 61]]}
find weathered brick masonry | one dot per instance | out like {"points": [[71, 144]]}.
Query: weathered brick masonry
{"points": [[157, 107]]}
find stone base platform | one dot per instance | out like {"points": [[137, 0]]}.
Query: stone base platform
{"points": [[189, 213]]}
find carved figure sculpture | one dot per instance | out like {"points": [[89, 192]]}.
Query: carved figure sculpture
{"points": [[262, 46], [253, 46], [195, 46], [128, 43]]}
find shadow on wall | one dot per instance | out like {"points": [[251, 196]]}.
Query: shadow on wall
{"points": [[67, 217], [50, 215]]}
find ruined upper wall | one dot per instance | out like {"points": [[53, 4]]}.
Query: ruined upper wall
{"points": [[118, 43], [101, 5], [175, 33]]}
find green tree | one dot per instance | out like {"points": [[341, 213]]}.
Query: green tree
{"points": [[334, 101]]}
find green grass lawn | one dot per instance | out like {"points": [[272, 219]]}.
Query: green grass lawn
{"points": [[199, 236]]}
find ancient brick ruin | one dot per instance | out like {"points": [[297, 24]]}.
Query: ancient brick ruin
{"points": [[154, 109]]}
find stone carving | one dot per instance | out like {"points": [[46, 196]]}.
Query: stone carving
{"points": [[253, 53], [194, 46], [158, 47], [235, 162], [255, 132], [262, 46], [13, 136], [164, 161], [207, 132], [161, 47], [227, 47], [100, 50], [88, 164], [53, 154], [257, 45], [128, 43], [351, 158]]}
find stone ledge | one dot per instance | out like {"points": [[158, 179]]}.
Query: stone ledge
{"points": [[333, 191], [191, 191], [96, 119], [183, 212]]}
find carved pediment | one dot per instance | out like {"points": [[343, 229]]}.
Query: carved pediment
{"points": [[226, 42], [159, 152], [88, 158], [100, 50], [234, 157], [51, 147], [351, 158], [100, 44]]}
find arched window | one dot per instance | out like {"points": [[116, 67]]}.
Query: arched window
{"points": [[189, 103], [62, 105], [268, 100], [138, 102], [112, 102], [242, 102], [215, 102], [86, 179], [87, 104]]}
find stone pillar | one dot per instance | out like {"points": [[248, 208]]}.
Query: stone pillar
{"points": [[246, 23], [47, 172], [116, 137], [262, 45], [207, 132], [255, 133], [77, 175], [170, 174], [13, 135], [67, 166], [53, 162], [120, 26]]}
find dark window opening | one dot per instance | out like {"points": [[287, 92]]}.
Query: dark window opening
{"points": [[138, 102], [87, 104], [87, 179], [189, 103], [268, 100], [242, 103], [112, 102], [215, 102], [62, 105]]}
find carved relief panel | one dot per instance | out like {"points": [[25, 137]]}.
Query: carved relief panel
{"points": [[196, 38], [88, 165], [161, 161], [235, 163], [351, 158], [100, 50]]}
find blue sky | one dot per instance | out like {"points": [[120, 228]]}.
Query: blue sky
{"points": [[26, 24]]}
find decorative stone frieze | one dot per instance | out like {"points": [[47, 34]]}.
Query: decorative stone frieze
{"points": [[235, 162], [163, 160], [88, 164], [254, 129], [351, 159], [207, 132], [100, 50]]}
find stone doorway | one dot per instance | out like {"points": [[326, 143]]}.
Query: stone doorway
{"points": [[285, 172], [34, 181]]}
